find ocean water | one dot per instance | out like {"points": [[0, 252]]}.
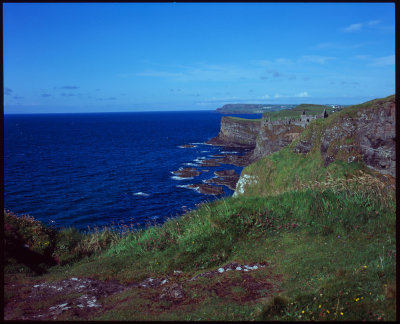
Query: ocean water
{"points": [[98, 169]]}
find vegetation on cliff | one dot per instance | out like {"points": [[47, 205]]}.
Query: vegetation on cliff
{"points": [[325, 235], [295, 112]]}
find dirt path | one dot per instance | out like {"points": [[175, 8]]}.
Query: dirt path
{"points": [[84, 297]]}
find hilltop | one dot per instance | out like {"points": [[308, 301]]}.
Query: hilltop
{"points": [[295, 112], [251, 108], [309, 235]]}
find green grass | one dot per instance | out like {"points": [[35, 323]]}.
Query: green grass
{"points": [[295, 112], [327, 234], [245, 120], [319, 241]]}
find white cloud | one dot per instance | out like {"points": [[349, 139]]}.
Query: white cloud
{"points": [[352, 28], [376, 61], [341, 46], [302, 94], [362, 57], [373, 22], [383, 61], [359, 26], [201, 72], [273, 62], [316, 59], [161, 74], [266, 96]]}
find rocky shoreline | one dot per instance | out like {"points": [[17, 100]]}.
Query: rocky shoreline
{"points": [[222, 178]]}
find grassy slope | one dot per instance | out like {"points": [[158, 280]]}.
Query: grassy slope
{"points": [[332, 246], [247, 120], [295, 112]]}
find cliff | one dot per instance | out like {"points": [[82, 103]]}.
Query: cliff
{"points": [[326, 196], [363, 133], [358, 138], [269, 134], [237, 132], [274, 136]]}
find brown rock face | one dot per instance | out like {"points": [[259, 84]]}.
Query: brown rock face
{"points": [[227, 178], [237, 133], [367, 135], [187, 172], [207, 189], [272, 138]]}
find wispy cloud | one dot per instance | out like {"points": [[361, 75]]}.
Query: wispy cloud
{"points": [[106, 99], [67, 94], [18, 97], [69, 87], [352, 28], [340, 46], [45, 95], [201, 72], [157, 74], [274, 62], [376, 61], [7, 91], [316, 59], [302, 94], [358, 26], [383, 61], [362, 57], [373, 22]]}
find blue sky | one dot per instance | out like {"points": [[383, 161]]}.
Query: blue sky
{"points": [[94, 57]]}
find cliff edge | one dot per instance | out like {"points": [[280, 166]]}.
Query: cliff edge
{"points": [[358, 138], [237, 132]]}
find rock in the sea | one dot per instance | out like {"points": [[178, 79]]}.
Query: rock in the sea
{"points": [[187, 146], [226, 173], [211, 162], [227, 178], [207, 189], [187, 172]]}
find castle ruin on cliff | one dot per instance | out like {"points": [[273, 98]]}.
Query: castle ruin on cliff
{"points": [[303, 121]]}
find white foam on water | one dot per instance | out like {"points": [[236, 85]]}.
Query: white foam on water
{"points": [[180, 178], [183, 186], [141, 194], [201, 144], [191, 164], [199, 159], [226, 152], [204, 151], [181, 146], [187, 187]]}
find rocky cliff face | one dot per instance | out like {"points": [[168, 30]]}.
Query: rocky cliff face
{"points": [[237, 132], [272, 138], [366, 133]]}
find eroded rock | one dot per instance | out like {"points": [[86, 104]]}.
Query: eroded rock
{"points": [[207, 189], [187, 172]]}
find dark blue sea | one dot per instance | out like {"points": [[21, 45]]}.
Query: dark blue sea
{"points": [[101, 169]]}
